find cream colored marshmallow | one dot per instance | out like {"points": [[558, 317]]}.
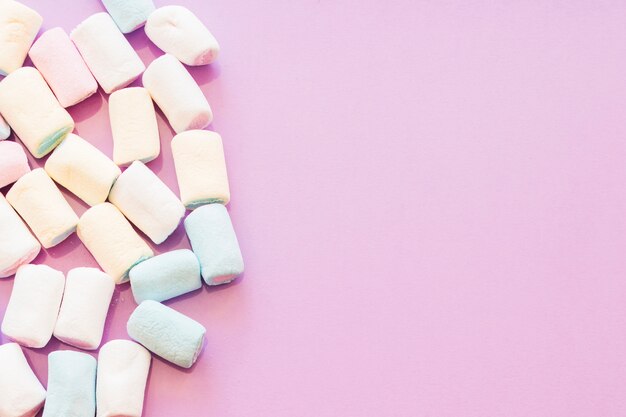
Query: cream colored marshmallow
{"points": [[17, 245], [18, 27]]}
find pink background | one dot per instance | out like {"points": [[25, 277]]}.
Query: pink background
{"points": [[431, 201]]}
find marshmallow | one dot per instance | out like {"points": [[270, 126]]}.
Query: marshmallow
{"points": [[200, 168], [121, 382], [5, 129], [58, 60], [112, 240], [177, 94], [21, 393], [177, 31], [167, 333], [71, 385], [18, 27], [13, 163], [107, 53], [134, 126], [43, 208], [214, 242], [166, 276], [83, 169], [84, 309], [17, 245], [34, 305], [147, 202], [33, 112], [129, 14]]}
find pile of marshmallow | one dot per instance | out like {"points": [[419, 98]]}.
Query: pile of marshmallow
{"points": [[45, 303]]}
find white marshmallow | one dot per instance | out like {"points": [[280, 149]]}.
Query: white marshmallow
{"points": [[83, 169], [86, 300], [111, 59], [177, 31], [178, 95], [34, 305], [18, 27], [134, 126], [17, 245], [129, 15], [5, 129], [21, 393], [112, 240], [43, 208], [123, 368], [147, 202]]}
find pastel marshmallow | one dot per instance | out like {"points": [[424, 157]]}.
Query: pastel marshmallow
{"points": [[123, 368], [177, 31], [19, 25], [34, 305], [166, 333], [84, 309], [177, 94], [165, 276], [200, 168], [17, 245], [112, 240], [214, 242], [35, 115], [83, 169], [129, 15], [21, 393], [134, 126], [5, 129], [147, 202], [110, 58], [60, 63], [40, 203], [13, 163], [71, 385]]}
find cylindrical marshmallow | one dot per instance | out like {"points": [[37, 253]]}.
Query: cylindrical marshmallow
{"points": [[214, 242], [177, 94], [177, 31], [34, 305], [58, 60], [112, 240], [123, 368], [71, 385], [83, 169], [200, 168], [21, 393], [17, 245], [40, 203], [165, 276], [147, 202], [107, 53], [84, 309], [13, 163], [134, 126], [33, 112], [5, 129], [167, 333], [129, 15], [18, 27]]}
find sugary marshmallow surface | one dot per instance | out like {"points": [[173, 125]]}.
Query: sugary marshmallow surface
{"points": [[13, 162], [40, 203], [83, 169], [71, 385], [214, 242], [33, 112], [200, 168], [34, 305], [129, 14], [147, 202], [21, 393], [177, 31], [17, 245], [165, 276], [58, 60], [112, 240], [5, 129], [134, 126], [122, 374], [18, 27], [111, 59], [178, 95], [84, 309], [167, 333]]}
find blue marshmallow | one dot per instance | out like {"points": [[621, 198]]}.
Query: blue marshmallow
{"points": [[129, 14], [71, 385]]}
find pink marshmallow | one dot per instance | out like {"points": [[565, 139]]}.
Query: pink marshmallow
{"points": [[13, 162]]}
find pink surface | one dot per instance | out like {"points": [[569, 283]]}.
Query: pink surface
{"points": [[430, 198]]}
